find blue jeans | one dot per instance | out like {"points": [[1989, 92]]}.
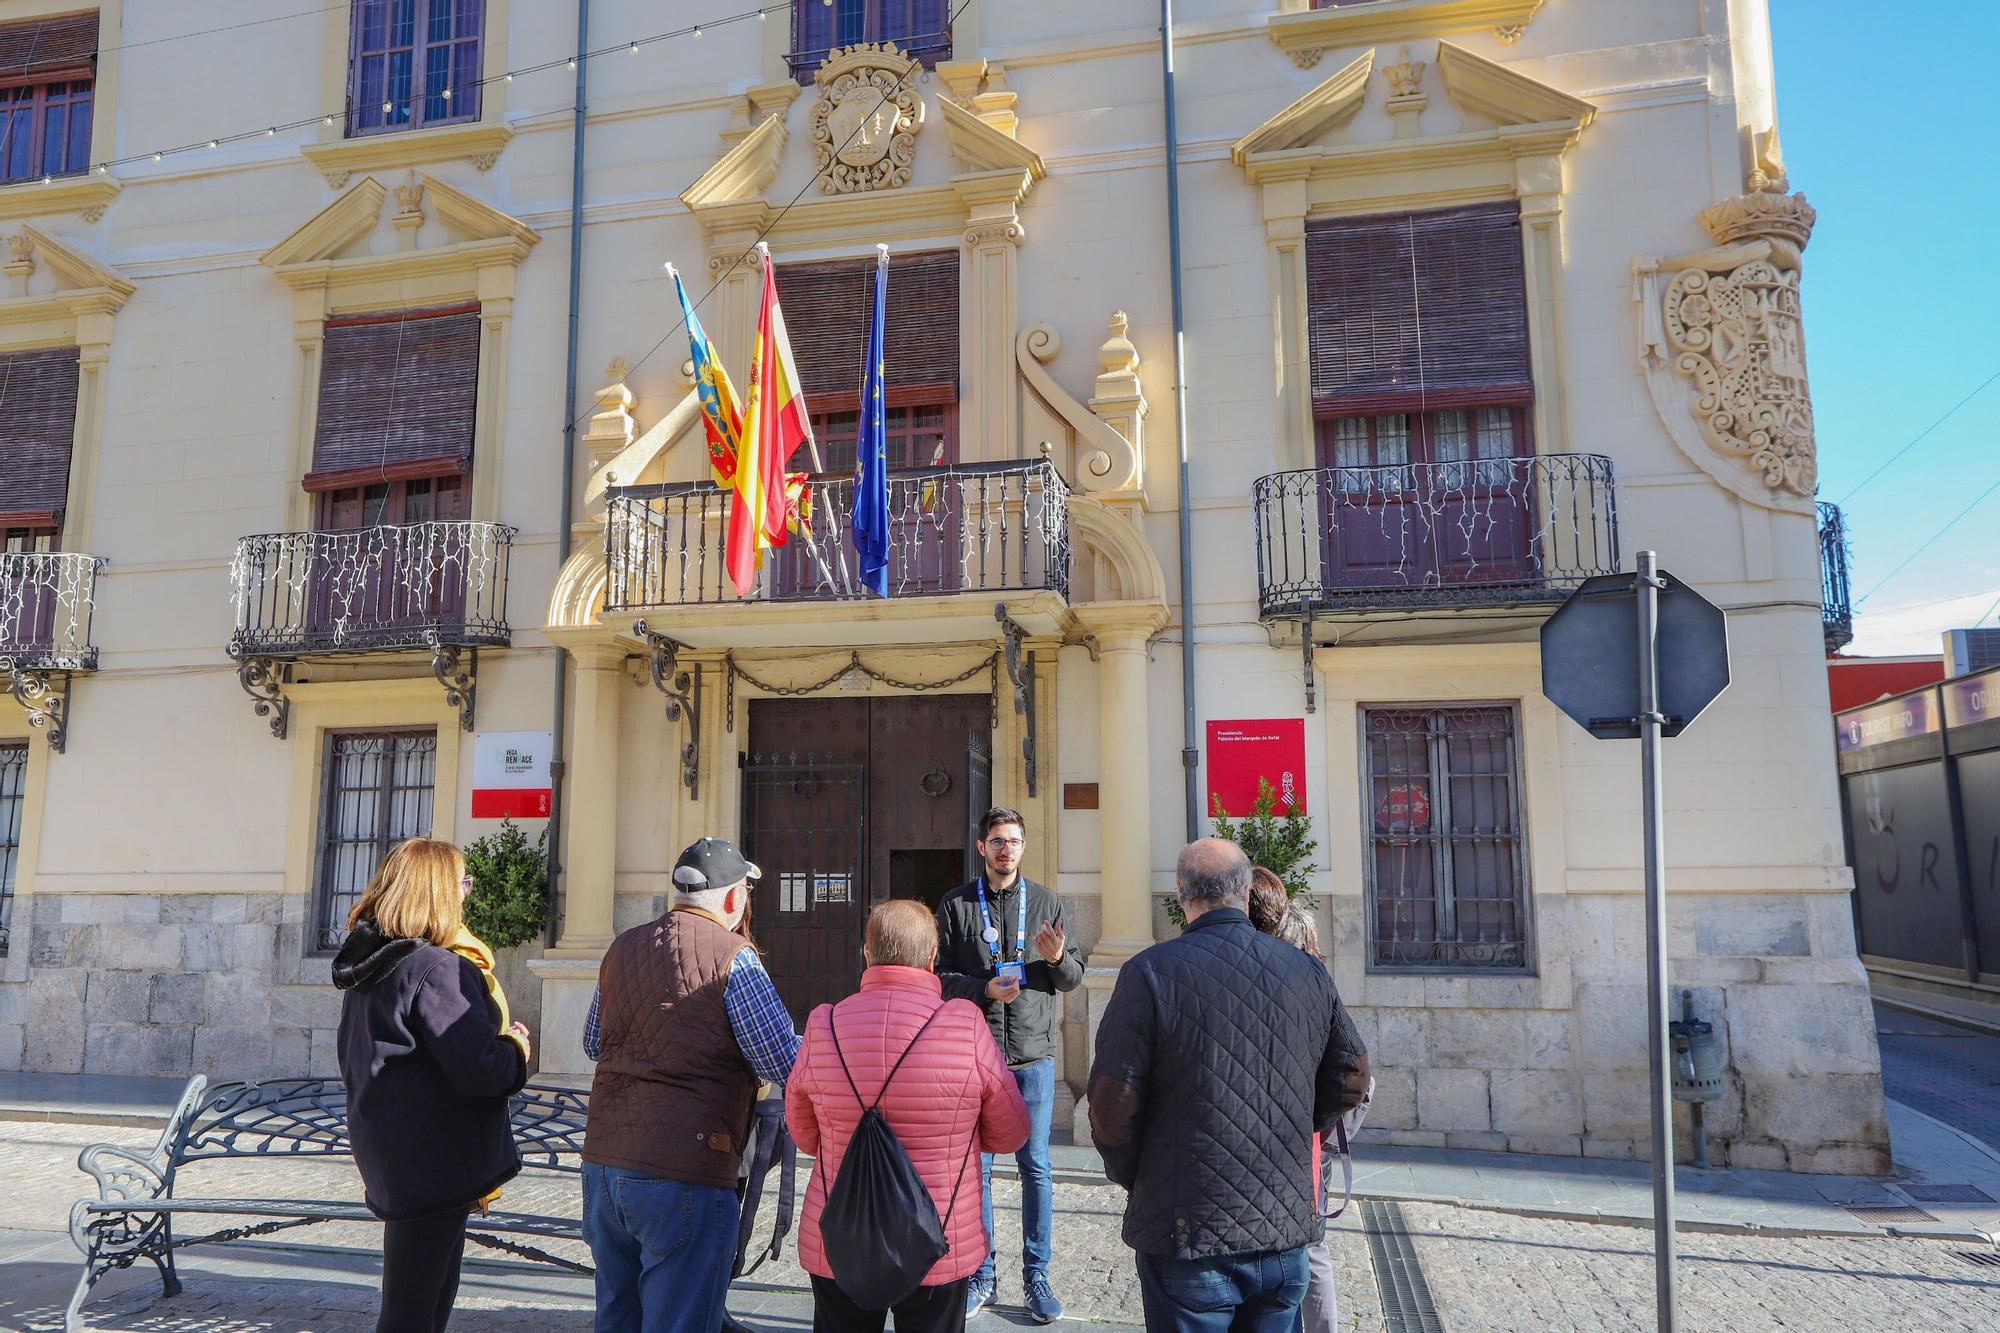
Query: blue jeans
{"points": [[1231, 1293], [663, 1251], [1037, 1083]]}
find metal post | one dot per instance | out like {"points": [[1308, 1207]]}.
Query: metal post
{"points": [[1190, 756], [1647, 589]]}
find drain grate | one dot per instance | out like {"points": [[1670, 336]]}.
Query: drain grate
{"points": [[1939, 1192], [1981, 1258], [1407, 1306], [1883, 1213]]}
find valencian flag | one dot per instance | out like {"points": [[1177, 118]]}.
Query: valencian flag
{"points": [[775, 424], [721, 413], [871, 452]]}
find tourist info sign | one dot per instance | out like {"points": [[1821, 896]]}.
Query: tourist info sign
{"points": [[510, 774], [1640, 656]]}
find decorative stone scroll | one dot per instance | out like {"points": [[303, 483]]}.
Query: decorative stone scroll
{"points": [[864, 126], [1723, 344]]}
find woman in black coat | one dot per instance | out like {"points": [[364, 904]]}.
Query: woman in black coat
{"points": [[428, 1074]]}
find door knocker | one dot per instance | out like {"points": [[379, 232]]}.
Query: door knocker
{"points": [[936, 782]]}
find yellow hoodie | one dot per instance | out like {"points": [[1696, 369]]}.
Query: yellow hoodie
{"points": [[476, 951]]}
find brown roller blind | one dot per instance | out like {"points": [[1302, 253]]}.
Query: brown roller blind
{"points": [[827, 312], [396, 390], [1418, 309], [47, 45], [37, 423]]}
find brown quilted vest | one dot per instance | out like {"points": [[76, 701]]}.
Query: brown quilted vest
{"points": [[672, 1094]]}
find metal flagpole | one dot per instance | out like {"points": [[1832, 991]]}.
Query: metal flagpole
{"points": [[1647, 589]]}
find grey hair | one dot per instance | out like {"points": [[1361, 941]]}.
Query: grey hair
{"points": [[708, 900], [1296, 928], [1213, 872]]}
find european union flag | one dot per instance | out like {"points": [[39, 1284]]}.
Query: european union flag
{"points": [[871, 452]]}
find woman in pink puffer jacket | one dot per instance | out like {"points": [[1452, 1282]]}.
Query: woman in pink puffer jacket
{"points": [[952, 1098]]}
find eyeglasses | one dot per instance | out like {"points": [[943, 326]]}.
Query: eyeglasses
{"points": [[1010, 843]]}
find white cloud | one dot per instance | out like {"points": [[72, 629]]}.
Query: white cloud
{"points": [[1916, 631]]}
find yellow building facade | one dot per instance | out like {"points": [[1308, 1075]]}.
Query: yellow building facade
{"points": [[1480, 298]]}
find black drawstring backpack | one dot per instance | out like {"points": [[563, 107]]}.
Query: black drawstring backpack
{"points": [[880, 1226]]}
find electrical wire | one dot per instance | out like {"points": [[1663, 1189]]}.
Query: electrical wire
{"points": [[1921, 435], [1929, 542], [693, 30], [680, 324]]}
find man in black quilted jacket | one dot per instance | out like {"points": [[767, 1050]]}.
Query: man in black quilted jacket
{"points": [[1220, 1055]]}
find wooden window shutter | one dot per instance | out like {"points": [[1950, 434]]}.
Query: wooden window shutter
{"points": [[1418, 310], [48, 46], [827, 311], [37, 424], [397, 393]]}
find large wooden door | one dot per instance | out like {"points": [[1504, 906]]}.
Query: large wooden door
{"points": [[846, 803]]}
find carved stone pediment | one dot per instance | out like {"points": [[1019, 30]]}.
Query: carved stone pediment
{"points": [[864, 126]]}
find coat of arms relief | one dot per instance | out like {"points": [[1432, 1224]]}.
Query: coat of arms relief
{"points": [[1723, 344], [864, 126]]}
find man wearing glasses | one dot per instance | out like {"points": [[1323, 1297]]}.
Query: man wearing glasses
{"points": [[1002, 944]]}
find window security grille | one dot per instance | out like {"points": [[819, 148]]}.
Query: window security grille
{"points": [[378, 790], [13, 797], [1447, 880]]}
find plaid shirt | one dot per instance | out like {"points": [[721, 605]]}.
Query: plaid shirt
{"points": [[756, 1015]]}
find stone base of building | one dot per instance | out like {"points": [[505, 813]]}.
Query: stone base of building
{"points": [[166, 984]]}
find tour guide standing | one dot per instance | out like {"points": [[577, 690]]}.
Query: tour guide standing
{"points": [[684, 1023], [1220, 1055], [1002, 944]]}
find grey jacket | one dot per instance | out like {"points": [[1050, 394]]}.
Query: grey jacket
{"points": [[1027, 1029]]}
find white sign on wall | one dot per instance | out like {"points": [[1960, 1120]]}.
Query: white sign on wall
{"points": [[510, 774]]}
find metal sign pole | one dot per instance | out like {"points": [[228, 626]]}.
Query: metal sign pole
{"points": [[1648, 585]]}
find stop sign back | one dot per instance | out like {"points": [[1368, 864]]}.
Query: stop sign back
{"points": [[1590, 655]]}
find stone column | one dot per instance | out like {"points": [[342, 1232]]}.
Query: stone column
{"points": [[589, 847], [590, 860], [1124, 806]]}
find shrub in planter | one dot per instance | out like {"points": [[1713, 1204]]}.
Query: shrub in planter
{"points": [[509, 902], [1281, 842]]}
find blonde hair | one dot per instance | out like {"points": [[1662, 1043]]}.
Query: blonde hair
{"points": [[414, 894], [901, 933]]}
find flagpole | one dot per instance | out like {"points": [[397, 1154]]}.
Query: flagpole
{"points": [[812, 448]]}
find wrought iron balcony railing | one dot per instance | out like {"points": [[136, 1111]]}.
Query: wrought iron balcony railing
{"points": [[1836, 596], [970, 528], [368, 590], [1493, 532], [46, 599]]}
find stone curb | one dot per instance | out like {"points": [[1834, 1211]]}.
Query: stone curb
{"points": [[86, 1116], [1556, 1213], [1950, 1017]]}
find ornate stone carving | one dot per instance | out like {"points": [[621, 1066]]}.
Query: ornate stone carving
{"points": [[22, 247], [1727, 320], [1305, 57], [1405, 78], [485, 161], [22, 266], [864, 126], [997, 231], [94, 213], [1510, 33], [410, 194], [337, 177], [1737, 337]]}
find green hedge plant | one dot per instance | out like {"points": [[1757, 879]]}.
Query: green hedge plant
{"points": [[509, 902], [1280, 841]]}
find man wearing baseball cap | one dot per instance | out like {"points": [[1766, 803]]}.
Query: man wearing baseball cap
{"points": [[684, 1024]]}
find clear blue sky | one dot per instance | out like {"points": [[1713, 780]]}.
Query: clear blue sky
{"points": [[1889, 128]]}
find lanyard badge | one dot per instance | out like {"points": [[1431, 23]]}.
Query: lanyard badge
{"points": [[1017, 967]]}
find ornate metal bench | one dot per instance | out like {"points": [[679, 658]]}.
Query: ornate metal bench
{"points": [[134, 1214]]}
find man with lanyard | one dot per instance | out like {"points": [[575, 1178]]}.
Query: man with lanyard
{"points": [[1003, 944]]}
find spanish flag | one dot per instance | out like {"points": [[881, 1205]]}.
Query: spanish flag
{"points": [[775, 424]]}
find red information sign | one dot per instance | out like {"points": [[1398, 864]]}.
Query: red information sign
{"points": [[1241, 752]]}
